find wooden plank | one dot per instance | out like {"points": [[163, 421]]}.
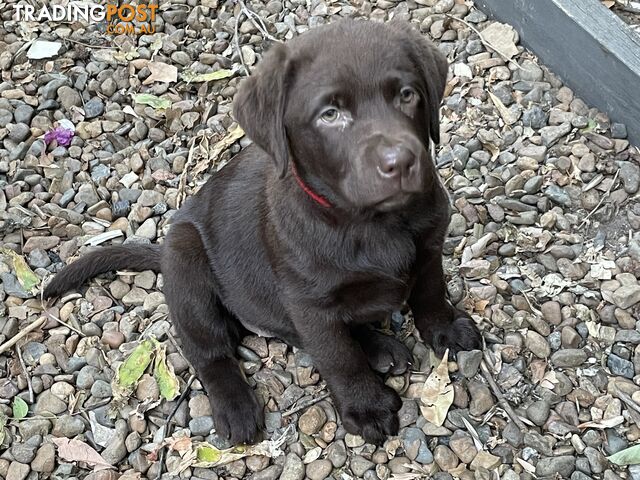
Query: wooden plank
{"points": [[594, 52]]}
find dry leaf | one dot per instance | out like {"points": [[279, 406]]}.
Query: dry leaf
{"points": [[102, 435], [602, 424], [437, 393], [506, 114], [152, 100], [161, 72], [209, 456], [462, 70], [538, 368], [501, 38], [180, 444], [210, 155], [628, 456], [130, 111], [190, 76], [26, 278], [77, 451], [165, 376], [526, 465], [43, 49], [131, 369]]}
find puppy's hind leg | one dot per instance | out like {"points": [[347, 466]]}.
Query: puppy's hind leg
{"points": [[209, 334]]}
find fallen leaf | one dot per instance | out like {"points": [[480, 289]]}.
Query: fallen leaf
{"points": [[130, 111], [602, 424], [180, 444], [213, 153], [103, 237], [462, 70], [77, 451], [208, 453], [19, 408], [130, 475], [126, 57], [153, 101], [191, 77], [161, 72], [628, 456], [26, 278], [526, 465], [101, 435], [165, 376], [208, 456], [43, 49], [3, 422], [132, 369], [506, 114], [608, 3], [437, 393], [501, 38]]}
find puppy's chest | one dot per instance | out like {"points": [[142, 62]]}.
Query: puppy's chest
{"points": [[373, 285]]}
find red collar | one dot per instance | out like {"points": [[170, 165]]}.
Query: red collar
{"points": [[316, 197]]}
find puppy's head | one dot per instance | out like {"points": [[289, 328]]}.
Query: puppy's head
{"points": [[354, 105]]}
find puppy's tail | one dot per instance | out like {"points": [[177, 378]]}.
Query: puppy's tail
{"points": [[117, 257]]}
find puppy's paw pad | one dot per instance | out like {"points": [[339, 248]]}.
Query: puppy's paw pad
{"points": [[460, 335], [387, 354], [238, 418], [373, 419]]}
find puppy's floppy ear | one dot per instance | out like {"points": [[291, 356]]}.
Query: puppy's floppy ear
{"points": [[434, 66], [260, 102]]}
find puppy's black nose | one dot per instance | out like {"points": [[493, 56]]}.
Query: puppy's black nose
{"points": [[395, 160]]}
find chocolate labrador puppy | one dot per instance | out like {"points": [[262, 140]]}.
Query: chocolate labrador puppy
{"points": [[331, 220]]}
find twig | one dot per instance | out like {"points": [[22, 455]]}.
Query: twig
{"points": [[251, 15], [101, 403], [628, 400], [53, 317], [498, 393], [62, 322], [182, 182], [173, 340], [236, 41], [306, 404], [21, 334], [26, 373], [88, 45], [604, 197], [167, 425], [484, 42]]}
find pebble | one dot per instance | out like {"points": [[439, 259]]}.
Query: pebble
{"points": [[49, 403], [570, 357], [312, 420], [44, 460], [293, 468], [620, 366], [519, 197], [562, 465], [17, 471], [445, 458], [469, 362], [319, 469]]}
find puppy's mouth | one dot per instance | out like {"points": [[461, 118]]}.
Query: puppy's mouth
{"points": [[394, 202]]}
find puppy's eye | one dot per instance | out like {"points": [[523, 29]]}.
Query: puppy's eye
{"points": [[408, 95], [330, 115]]}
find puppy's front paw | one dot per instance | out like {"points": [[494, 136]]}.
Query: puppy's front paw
{"points": [[237, 415], [371, 411], [386, 354], [457, 335]]}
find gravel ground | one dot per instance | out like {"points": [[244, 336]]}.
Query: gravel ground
{"points": [[544, 249]]}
